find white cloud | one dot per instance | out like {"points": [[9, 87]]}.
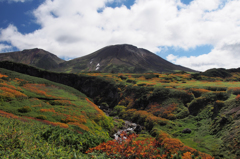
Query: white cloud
{"points": [[5, 48], [75, 28]]}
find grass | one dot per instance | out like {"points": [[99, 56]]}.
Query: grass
{"points": [[18, 141], [50, 101]]}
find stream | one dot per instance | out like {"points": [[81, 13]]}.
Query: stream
{"points": [[128, 127]]}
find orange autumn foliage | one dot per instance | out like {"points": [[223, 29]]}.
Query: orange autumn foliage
{"points": [[187, 155], [238, 97], [8, 115], [47, 110], [101, 113], [65, 102], [234, 90], [38, 89], [83, 127], [35, 88], [49, 122], [173, 145], [165, 111], [8, 92], [80, 119], [56, 124], [127, 101], [200, 90], [10, 86], [1, 76], [21, 80], [128, 147]]}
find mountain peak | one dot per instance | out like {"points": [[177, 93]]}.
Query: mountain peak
{"points": [[35, 57], [123, 58]]}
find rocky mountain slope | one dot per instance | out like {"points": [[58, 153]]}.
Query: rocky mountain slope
{"points": [[34, 57], [111, 59], [120, 58]]}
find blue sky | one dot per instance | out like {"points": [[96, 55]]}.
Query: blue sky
{"points": [[199, 34], [19, 14]]}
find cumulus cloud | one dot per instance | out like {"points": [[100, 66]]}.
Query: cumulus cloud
{"points": [[4, 47], [75, 28]]}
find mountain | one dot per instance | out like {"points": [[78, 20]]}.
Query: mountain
{"points": [[120, 58], [35, 57], [111, 59]]}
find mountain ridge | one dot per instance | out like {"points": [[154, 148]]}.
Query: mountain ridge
{"points": [[121, 58], [34, 57]]}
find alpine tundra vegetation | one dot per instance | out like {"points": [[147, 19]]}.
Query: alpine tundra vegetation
{"points": [[181, 114]]}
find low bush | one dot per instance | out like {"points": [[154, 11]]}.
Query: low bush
{"points": [[67, 138], [234, 90], [196, 105], [159, 93], [183, 113], [150, 76], [118, 110], [142, 84], [184, 95], [238, 97], [131, 81], [25, 109], [42, 117], [122, 77], [198, 92], [218, 95], [141, 116]]}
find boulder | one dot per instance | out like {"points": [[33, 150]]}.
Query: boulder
{"points": [[187, 131], [138, 129]]}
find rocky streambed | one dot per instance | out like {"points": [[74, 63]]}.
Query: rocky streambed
{"points": [[128, 128]]}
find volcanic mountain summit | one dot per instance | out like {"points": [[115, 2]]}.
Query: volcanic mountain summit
{"points": [[35, 57], [121, 58], [111, 59]]}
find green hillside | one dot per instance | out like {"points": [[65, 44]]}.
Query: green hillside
{"points": [[26, 138], [181, 114], [38, 106]]}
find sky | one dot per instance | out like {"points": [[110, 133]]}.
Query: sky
{"points": [[199, 34]]}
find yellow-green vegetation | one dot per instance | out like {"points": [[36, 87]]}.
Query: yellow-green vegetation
{"points": [[198, 110], [50, 120], [25, 138], [55, 103], [208, 106]]}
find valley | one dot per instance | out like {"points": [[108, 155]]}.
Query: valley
{"points": [[182, 114]]}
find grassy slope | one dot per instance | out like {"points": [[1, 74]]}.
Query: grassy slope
{"points": [[25, 138], [54, 102], [58, 104]]}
